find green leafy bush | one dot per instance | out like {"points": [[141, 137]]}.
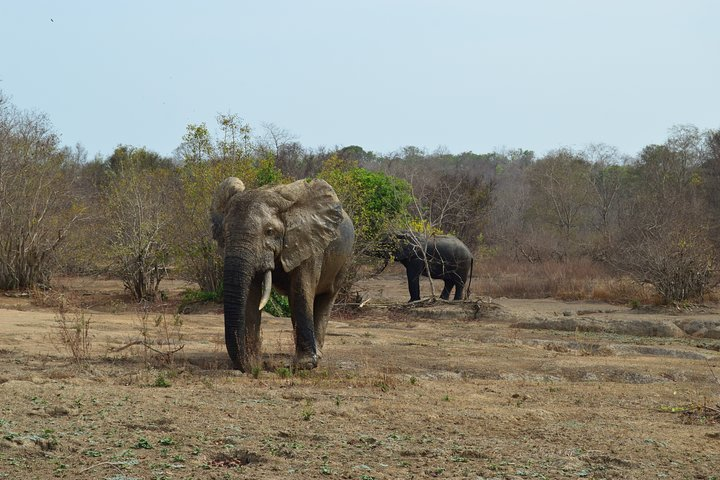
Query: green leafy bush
{"points": [[375, 201], [278, 305]]}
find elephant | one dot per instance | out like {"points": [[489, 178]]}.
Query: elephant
{"points": [[448, 258], [295, 237]]}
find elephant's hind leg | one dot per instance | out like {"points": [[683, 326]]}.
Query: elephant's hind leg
{"points": [[445, 295], [459, 289], [321, 311], [460, 285]]}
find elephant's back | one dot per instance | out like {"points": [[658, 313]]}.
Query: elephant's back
{"points": [[453, 246]]}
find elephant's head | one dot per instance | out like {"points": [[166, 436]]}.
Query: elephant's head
{"points": [[260, 230], [397, 245]]}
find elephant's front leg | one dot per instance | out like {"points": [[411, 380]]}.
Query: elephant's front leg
{"points": [[253, 343], [413, 279], [301, 309]]}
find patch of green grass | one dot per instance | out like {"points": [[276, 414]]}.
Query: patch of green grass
{"points": [[143, 443], [308, 411], [197, 296], [161, 381], [382, 385]]}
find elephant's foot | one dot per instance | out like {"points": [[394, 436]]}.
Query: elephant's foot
{"points": [[306, 361]]}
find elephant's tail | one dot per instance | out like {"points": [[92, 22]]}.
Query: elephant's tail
{"points": [[467, 290]]}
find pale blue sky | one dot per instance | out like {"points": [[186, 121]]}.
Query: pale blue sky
{"points": [[461, 74]]}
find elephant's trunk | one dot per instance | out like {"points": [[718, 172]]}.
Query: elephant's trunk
{"points": [[237, 278]]}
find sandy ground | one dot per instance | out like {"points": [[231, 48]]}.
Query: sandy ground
{"points": [[498, 389]]}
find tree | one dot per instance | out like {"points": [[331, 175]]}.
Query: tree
{"points": [[197, 145], [235, 139], [454, 202], [141, 158], [138, 223], [710, 172], [559, 191], [510, 229], [37, 203], [666, 237], [199, 175]]}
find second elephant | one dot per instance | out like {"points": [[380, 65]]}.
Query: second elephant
{"points": [[448, 259]]}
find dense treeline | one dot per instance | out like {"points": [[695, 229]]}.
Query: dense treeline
{"points": [[654, 217]]}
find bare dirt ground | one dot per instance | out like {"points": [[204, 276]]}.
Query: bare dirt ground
{"points": [[508, 389]]}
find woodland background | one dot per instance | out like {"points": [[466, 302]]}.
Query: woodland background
{"points": [[574, 223]]}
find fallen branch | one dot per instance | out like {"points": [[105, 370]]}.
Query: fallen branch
{"points": [[131, 344], [112, 464], [148, 346]]}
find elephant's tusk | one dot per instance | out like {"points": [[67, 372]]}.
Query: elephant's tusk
{"points": [[267, 285]]}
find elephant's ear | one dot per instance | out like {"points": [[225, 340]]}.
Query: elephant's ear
{"points": [[312, 217], [218, 208]]}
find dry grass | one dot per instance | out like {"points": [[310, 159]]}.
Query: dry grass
{"points": [[393, 397], [570, 280], [578, 279]]}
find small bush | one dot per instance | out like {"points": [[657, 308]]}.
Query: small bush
{"points": [[278, 305], [622, 290], [680, 265], [160, 335], [194, 296], [161, 381], [73, 333]]}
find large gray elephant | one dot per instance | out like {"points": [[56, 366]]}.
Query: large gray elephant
{"points": [[448, 259], [296, 237]]}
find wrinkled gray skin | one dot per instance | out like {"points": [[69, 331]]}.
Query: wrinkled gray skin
{"points": [[448, 258], [295, 236]]}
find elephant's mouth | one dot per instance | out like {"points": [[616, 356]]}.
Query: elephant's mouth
{"points": [[267, 286]]}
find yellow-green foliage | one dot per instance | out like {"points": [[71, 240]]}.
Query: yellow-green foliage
{"points": [[423, 226]]}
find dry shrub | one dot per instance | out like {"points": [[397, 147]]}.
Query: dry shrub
{"points": [[73, 332], [712, 295], [679, 263], [72, 322], [624, 290], [56, 299], [568, 280], [161, 337]]}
